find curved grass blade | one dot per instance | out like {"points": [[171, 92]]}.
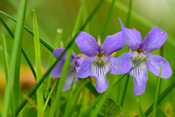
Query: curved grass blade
{"points": [[50, 93], [53, 65], [157, 93], [107, 92], [15, 51], [50, 48], [122, 96], [40, 100], [23, 52], [163, 94], [140, 109], [108, 19]]}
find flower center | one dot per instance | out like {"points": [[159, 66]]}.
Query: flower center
{"points": [[138, 54], [100, 55]]}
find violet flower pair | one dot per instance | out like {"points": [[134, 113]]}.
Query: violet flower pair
{"points": [[99, 62]]}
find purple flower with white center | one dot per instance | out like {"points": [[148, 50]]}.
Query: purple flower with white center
{"points": [[139, 50], [99, 62], [72, 71]]}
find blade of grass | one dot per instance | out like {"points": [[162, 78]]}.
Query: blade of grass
{"points": [[157, 93], [6, 65], [62, 80], [40, 100], [53, 65], [140, 109], [163, 94], [107, 91], [122, 96], [49, 96], [129, 14], [108, 19], [68, 107], [5, 57], [85, 14], [44, 43], [51, 60], [23, 52], [15, 50]]}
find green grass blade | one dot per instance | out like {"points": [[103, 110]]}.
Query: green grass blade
{"points": [[107, 20], [129, 14], [40, 100], [157, 93], [49, 47], [23, 52], [163, 94], [15, 50], [49, 96], [85, 14], [68, 107], [107, 91], [122, 96], [140, 109], [57, 60], [62, 80], [5, 56], [51, 60]]}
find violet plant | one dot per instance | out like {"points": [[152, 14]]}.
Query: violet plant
{"points": [[99, 62], [138, 51]]}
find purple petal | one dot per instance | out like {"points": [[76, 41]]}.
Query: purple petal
{"points": [[113, 64], [102, 84], [154, 63], [85, 68], [87, 44], [58, 51], [123, 65], [69, 78], [132, 37], [154, 39], [56, 72], [79, 61], [113, 43], [140, 75]]}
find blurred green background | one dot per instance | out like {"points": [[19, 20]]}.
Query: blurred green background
{"points": [[61, 14]]}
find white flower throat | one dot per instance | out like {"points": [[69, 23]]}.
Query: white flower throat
{"points": [[100, 65], [136, 57]]}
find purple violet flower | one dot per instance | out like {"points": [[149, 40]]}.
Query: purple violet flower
{"points": [[99, 62], [73, 68], [139, 50]]}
